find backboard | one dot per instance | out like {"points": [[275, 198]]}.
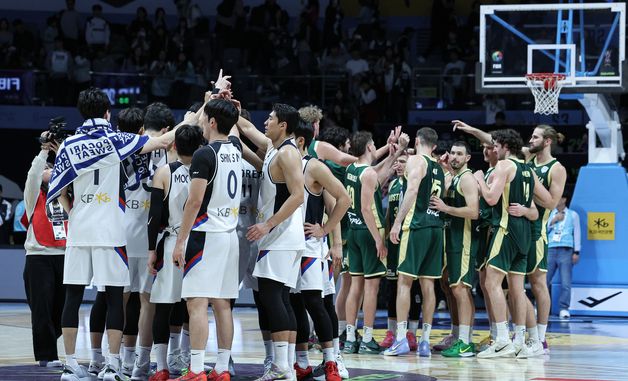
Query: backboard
{"points": [[584, 41]]}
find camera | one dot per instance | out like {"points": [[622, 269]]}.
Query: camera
{"points": [[57, 131]]}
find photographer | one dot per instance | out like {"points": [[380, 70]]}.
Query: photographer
{"points": [[45, 248]]}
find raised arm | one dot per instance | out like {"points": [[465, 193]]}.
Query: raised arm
{"points": [[415, 172], [253, 134], [369, 185], [326, 151], [384, 168], [483, 137]]}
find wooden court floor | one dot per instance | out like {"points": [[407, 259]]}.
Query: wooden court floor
{"points": [[581, 349]]}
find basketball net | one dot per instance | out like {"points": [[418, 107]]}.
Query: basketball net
{"points": [[546, 88]]}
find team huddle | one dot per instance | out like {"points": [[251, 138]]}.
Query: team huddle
{"points": [[185, 216]]}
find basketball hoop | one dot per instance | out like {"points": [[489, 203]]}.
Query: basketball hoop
{"points": [[546, 88]]}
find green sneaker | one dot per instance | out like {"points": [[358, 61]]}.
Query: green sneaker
{"points": [[459, 349], [351, 347], [370, 348]]}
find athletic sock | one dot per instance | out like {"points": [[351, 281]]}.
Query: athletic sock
{"points": [[197, 360], [425, 334], [533, 333], [174, 343], [96, 355], [292, 348], [392, 325], [342, 325], [413, 326], [402, 329], [303, 360], [161, 353], [368, 334], [336, 342], [502, 331], [71, 361], [455, 330], [281, 354], [328, 355], [268, 348], [222, 361], [350, 332], [493, 331], [463, 333], [520, 334], [542, 330], [185, 341], [129, 355], [143, 356]]}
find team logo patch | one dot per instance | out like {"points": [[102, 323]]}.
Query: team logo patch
{"points": [[544, 169]]}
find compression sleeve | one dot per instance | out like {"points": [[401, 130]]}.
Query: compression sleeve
{"points": [[154, 216]]}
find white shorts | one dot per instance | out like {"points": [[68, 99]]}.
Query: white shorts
{"points": [[139, 277], [211, 260], [310, 275], [108, 266], [279, 265], [329, 287], [168, 281]]}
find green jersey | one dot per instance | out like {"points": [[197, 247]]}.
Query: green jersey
{"points": [[421, 216], [311, 149], [353, 183], [486, 211], [396, 190], [543, 172], [339, 172], [520, 191], [460, 231]]}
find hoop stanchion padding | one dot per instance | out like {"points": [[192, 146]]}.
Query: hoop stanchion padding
{"points": [[546, 88]]}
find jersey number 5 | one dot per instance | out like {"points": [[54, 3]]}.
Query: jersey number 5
{"points": [[436, 188]]}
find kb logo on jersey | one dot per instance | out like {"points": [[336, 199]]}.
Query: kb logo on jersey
{"points": [[227, 212], [138, 204], [100, 198]]}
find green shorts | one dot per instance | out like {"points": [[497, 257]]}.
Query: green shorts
{"points": [[392, 261], [421, 253], [537, 256], [505, 254], [362, 254], [484, 240], [460, 265]]}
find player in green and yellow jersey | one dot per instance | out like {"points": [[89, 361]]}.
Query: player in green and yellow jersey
{"points": [[366, 246], [510, 191], [461, 240], [421, 244]]}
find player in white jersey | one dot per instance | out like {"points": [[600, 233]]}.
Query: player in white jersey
{"points": [[279, 230], [321, 189], [90, 162], [168, 197], [209, 220]]}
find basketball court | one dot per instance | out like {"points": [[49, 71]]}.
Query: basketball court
{"points": [[568, 52]]}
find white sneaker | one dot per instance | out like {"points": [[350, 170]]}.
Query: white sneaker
{"points": [[95, 367], [72, 374], [176, 363], [533, 348], [113, 375], [342, 369], [564, 315], [276, 373], [101, 374], [51, 364], [127, 369], [498, 349], [268, 363], [140, 371]]}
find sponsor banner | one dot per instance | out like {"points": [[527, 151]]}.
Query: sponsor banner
{"points": [[601, 226], [587, 299], [16, 87]]}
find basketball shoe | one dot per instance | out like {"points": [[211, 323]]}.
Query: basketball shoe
{"points": [[74, 374], [498, 349], [224, 376], [459, 349], [388, 340], [445, 343], [398, 348], [162, 375]]}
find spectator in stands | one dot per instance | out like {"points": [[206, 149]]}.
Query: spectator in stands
{"points": [[50, 33], [141, 42], [163, 72], [332, 27], [334, 59], [45, 249], [160, 19], [104, 62], [140, 22], [19, 230], [81, 74], [368, 106], [6, 36], [356, 65], [182, 39], [5, 219], [160, 42], [563, 233], [492, 105], [96, 30], [24, 43], [453, 79], [70, 23], [500, 120], [442, 11], [59, 65], [379, 44], [227, 13], [401, 85], [136, 63]]}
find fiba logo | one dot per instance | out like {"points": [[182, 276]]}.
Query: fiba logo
{"points": [[497, 56]]}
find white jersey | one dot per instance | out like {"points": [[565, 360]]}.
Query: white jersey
{"points": [[288, 235], [177, 195], [313, 210], [97, 215], [138, 199], [220, 163]]}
